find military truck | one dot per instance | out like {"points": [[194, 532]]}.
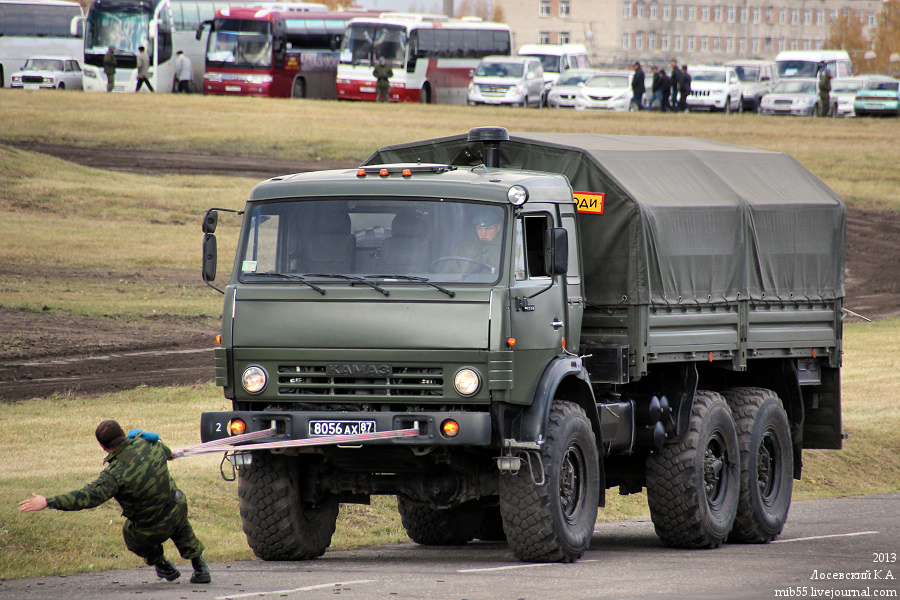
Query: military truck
{"points": [[550, 316]]}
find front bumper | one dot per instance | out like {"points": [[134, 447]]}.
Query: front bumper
{"points": [[474, 427]]}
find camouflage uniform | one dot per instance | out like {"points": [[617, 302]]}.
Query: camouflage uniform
{"points": [[137, 476]]}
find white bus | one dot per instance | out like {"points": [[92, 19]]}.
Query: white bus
{"points": [[162, 27], [32, 27], [431, 56]]}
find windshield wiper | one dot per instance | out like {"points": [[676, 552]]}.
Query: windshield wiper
{"points": [[296, 278], [424, 280], [352, 279]]}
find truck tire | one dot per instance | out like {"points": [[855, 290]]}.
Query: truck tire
{"points": [[767, 464], [431, 526], [277, 525], [554, 521], [693, 484]]}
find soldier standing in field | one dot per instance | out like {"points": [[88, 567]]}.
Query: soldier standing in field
{"points": [[137, 476], [382, 73], [109, 67]]}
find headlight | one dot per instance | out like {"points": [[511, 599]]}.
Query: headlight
{"points": [[520, 89], [259, 79], [254, 379], [212, 76], [802, 102], [517, 195], [17, 78], [89, 74], [467, 382], [471, 87]]}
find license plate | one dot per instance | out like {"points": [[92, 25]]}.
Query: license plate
{"points": [[232, 88], [364, 88], [874, 106], [329, 427], [32, 86]]}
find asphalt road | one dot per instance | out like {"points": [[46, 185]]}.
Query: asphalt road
{"points": [[829, 548]]}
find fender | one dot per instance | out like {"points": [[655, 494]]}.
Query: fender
{"points": [[534, 417]]}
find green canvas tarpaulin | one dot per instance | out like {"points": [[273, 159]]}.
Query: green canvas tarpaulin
{"points": [[685, 220]]}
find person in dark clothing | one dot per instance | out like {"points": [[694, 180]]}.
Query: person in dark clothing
{"points": [[143, 69], [137, 476], [656, 88], [109, 68], [664, 89], [824, 92], [675, 84], [684, 87], [637, 87], [382, 73]]}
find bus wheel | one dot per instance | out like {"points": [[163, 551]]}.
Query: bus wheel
{"points": [[299, 90], [425, 94]]}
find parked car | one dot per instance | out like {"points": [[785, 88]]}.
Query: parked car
{"points": [[843, 92], [516, 80], [715, 88], [878, 98], [557, 60], [607, 90], [797, 96], [48, 73], [564, 92], [757, 77]]}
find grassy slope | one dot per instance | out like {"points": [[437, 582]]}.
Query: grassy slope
{"points": [[97, 220]]}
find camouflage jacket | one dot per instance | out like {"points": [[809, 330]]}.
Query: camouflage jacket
{"points": [[136, 475]]}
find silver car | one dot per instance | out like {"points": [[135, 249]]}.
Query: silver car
{"points": [[48, 73], [607, 90], [564, 92], [796, 96]]}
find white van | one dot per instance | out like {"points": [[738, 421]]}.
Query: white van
{"points": [[809, 63], [556, 60], [516, 80], [758, 78]]}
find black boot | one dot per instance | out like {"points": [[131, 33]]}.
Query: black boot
{"points": [[201, 571], [166, 570]]}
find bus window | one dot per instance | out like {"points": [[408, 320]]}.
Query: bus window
{"points": [[501, 43]]}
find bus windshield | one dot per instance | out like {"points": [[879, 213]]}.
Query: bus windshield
{"points": [[240, 43], [123, 26], [797, 68], [366, 43]]}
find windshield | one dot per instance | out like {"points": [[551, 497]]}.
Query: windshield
{"points": [[608, 81], [890, 86], [550, 62], [714, 76], [747, 73], [844, 87], [573, 79], [500, 69], [366, 43], [123, 26], [43, 64], [797, 68], [796, 87], [240, 43], [329, 241]]}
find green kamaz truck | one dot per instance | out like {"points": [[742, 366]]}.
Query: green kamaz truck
{"points": [[496, 328]]}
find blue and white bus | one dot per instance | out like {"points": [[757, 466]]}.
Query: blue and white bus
{"points": [[37, 27]]}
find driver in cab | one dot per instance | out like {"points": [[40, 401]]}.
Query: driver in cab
{"points": [[484, 249]]}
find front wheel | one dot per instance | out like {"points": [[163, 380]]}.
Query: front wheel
{"points": [[277, 522], [553, 521], [425, 94], [767, 464], [693, 484]]}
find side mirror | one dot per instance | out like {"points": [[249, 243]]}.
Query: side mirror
{"points": [[210, 221], [76, 27], [154, 30], [556, 251], [210, 257]]}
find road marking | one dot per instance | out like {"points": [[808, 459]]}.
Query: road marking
{"points": [[822, 537], [307, 588], [507, 568]]}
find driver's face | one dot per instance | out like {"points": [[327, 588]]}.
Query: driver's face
{"points": [[488, 233]]}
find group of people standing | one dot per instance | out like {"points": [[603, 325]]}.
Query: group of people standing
{"points": [[184, 71], [670, 91]]}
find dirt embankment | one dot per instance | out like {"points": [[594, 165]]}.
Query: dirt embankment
{"points": [[46, 353]]}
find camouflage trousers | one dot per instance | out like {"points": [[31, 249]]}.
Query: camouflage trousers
{"points": [[146, 540]]}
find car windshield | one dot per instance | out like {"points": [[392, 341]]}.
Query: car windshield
{"points": [[890, 86], [573, 78], [550, 62], [713, 76], [797, 68], [608, 81], [43, 64], [747, 73], [388, 240], [500, 69], [796, 87], [844, 87]]}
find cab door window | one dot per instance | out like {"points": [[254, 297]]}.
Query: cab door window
{"points": [[529, 249]]}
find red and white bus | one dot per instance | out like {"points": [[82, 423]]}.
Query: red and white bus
{"points": [[274, 51], [430, 55]]}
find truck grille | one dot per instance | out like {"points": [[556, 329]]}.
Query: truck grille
{"points": [[32, 79], [494, 90], [703, 93], [309, 381]]}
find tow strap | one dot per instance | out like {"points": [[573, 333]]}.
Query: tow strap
{"points": [[235, 443]]}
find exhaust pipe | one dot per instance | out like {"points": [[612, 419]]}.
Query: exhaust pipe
{"points": [[491, 138]]}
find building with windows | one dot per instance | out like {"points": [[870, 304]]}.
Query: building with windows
{"points": [[618, 32]]}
